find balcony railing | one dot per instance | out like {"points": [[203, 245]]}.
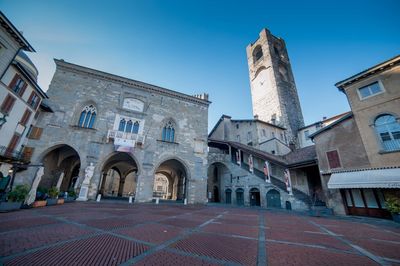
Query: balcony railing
{"points": [[112, 134], [11, 155]]}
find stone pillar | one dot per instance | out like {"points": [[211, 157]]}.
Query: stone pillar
{"points": [[144, 188], [60, 179], [84, 191], [32, 193]]}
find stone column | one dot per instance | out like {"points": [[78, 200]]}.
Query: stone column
{"points": [[60, 179], [32, 193], [144, 188]]}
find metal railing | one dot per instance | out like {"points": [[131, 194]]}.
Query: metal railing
{"points": [[112, 134]]}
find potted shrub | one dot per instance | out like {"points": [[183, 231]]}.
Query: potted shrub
{"points": [[393, 205], [53, 196], [71, 196], [15, 198], [41, 196]]}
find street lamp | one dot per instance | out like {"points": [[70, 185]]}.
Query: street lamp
{"points": [[3, 119]]}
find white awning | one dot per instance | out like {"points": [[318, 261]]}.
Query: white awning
{"points": [[374, 178]]}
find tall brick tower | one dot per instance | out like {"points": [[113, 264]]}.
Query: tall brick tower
{"points": [[273, 90]]}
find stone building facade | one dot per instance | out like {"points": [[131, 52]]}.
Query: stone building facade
{"points": [[359, 155], [112, 135], [273, 89]]}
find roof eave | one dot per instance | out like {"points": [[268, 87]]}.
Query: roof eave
{"points": [[15, 33]]}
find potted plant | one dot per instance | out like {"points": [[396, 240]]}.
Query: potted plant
{"points": [[53, 196], [71, 196], [15, 198], [393, 205], [41, 196]]}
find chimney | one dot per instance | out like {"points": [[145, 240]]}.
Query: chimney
{"points": [[324, 118]]}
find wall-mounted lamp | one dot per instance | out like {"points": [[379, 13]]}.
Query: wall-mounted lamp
{"points": [[3, 119]]}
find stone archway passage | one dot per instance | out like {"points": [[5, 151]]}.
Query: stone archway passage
{"points": [[62, 161], [273, 199], [218, 175], [119, 176], [170, 181], [255, 197]]}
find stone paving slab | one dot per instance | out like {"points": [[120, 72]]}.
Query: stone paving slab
{"points": [[89, 233], [21, 240], [172, 259], [98, 250], [281, 254], [242, 251]]}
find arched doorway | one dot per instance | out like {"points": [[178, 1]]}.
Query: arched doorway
{"points": [[218, 176], [170, 181], [119, 176], [254, 197], [228, 196], [240, 196], [61, 168], [216, 194], [273, 199]]}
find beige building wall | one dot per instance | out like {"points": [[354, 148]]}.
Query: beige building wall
{"points": [[368, 109], [345, 138]]}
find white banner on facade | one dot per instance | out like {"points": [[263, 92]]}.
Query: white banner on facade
{"points": [[238, 158], [251, 166], [124, 142], [267, 172], [288, 181]]}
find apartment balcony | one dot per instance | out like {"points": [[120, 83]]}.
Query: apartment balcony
{"points": [[13, 156]]}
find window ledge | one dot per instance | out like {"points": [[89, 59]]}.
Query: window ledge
{"points": [[163, 141], [83, 128], [384, 152]]}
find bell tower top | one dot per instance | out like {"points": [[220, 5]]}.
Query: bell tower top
{"points": [[273, 89]]}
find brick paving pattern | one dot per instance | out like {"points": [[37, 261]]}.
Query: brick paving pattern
{"points": [[147, 234]]}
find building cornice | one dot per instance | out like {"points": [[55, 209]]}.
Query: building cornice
{"points": [[395, 61], [62, 65], [12, 30]]}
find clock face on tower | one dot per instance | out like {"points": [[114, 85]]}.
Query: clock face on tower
{"points": [[261, 83], [133, 104]]}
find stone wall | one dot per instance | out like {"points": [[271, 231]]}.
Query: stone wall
{"points": [[74, 87]]}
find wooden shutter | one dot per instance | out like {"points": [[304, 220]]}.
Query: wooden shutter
{"points": [[25, 117], [27, 153], [21, 92], [333, 159], [7, 104], [13, 81], [36, 132], [13, 143]]}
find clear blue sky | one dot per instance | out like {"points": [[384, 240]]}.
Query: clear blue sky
{"points": [[200, 46]]}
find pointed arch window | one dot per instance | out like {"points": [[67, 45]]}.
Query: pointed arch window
{"points": [[168, 132], [388, 130], [122, 124], [129, 126], [135, 128], [87, 117]]}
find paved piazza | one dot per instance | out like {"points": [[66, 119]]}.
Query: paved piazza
{"points": [[122, 234]]}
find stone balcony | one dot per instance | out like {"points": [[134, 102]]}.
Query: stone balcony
{"points": [[113, 134]]}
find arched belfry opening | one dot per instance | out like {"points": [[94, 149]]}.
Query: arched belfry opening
{"points": [[170, 180], [61, 168], [119, 176]]}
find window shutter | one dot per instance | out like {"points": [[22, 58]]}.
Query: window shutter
{"points": [[333, 159], [36, 132], [13, 81], [23, 89], [7, 104], [27, 153], [25, 117], [13, 143]]}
